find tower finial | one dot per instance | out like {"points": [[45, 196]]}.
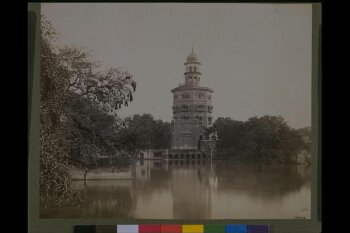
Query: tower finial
{"points": [[192, 48]]}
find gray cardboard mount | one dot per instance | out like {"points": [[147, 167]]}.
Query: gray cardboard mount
{"points": [[37, 225]]}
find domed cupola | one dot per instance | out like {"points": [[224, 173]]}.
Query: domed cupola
{"points": [[192, 58], [192, 74]]}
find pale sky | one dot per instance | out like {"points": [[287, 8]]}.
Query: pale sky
{"points": [[256, 57]]}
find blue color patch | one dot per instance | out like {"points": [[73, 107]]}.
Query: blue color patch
{"points": [[236, 228]]}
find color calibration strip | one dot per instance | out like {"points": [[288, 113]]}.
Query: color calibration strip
{"points": [[172, 228]]}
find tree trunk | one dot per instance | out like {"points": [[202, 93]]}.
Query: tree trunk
{"points": [[85, 174]]}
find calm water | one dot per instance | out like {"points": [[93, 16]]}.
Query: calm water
{"points": [[194, 190]]}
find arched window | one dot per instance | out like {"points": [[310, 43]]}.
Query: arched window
{"points": [[190, 68], [184, 106], [195, 69], [200, 107], [186, 96]]}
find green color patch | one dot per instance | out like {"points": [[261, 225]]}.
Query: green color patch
{"points": [[214, 228]]}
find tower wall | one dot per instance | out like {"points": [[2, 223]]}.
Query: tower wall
{"points": [[194, 104], [186, 135]]}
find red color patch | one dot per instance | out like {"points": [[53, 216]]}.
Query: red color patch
{"points": [[149, 228], [171, 228]]}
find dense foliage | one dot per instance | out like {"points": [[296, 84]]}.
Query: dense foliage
{"points": [[54, 176], [267, 138], [90, 132], [77, 113], [144, 132]]}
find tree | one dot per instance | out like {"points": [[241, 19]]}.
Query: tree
{"points": [[162, 135], [229, 131], [111, 89], [264, 134], [69, 86], [265, 138], [306, 134], [54, 176], [144, 132], [90, 132]]}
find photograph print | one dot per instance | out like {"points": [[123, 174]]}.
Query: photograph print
{"points": [[175, 111]]}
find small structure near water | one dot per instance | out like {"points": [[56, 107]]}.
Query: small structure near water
{"points": [[176, 154]]}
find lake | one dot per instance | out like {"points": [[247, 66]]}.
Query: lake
{"points": [[193, 190]]}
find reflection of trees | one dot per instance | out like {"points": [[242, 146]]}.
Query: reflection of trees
{"points": [[158, 180], [107, 198], [266, 181]]}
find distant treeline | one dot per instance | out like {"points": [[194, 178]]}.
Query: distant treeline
{"points": [[267, 138], [93, 133]]}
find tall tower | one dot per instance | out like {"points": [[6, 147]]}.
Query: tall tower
{"points": [[192, 108]]}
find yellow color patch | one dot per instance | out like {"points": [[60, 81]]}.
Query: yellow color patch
{"points": [[192, 228]]}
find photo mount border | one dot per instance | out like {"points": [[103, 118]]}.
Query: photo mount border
{"points": [[37, 225]]}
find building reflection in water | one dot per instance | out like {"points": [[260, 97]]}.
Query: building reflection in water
{"points": [[192, 190]]}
